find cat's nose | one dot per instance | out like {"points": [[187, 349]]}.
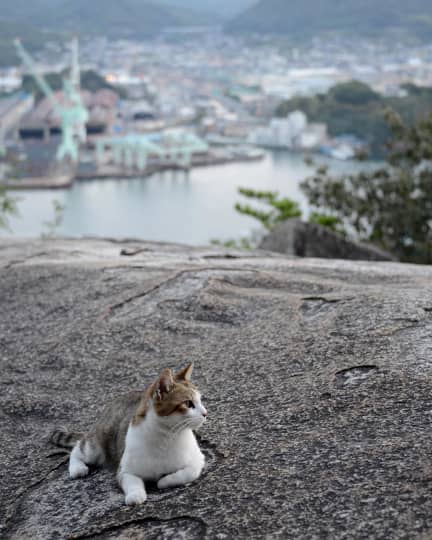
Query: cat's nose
{"points": [[204, 412]]}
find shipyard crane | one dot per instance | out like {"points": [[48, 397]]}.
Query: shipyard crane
{"points": [[75, 74], [74, 93], [72, 113]]}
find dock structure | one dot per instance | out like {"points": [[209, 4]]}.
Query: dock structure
{"points": [[126, 157], [136, 151]]}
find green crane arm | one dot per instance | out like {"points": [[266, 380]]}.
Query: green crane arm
{"points": [[41, 82], [75, 74]]}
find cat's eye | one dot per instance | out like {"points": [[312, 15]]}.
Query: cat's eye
{"points": [[190, 404]]}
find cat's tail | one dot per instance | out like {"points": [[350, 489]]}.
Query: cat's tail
{"points": [[65, 439]]}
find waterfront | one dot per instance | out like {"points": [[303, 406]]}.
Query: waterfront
{"points": [[192, 207]]}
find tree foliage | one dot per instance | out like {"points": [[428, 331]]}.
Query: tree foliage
{"points": [[325, 220], [8, 207], [269, 209], [90, 80], [273, 209], [391, 206], [353, 107], [52, 226], [353, 93]]}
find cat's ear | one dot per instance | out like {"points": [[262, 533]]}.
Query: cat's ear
{"points": [[185, 374], [164, 383]]}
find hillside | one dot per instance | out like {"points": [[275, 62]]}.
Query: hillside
{"points": [[42, 20], [221, 8], [90, 80], [354, 108], [307, 17], [115, 18], [32, 37]]}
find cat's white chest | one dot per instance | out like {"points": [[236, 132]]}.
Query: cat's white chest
{"points": [[151, 456]]}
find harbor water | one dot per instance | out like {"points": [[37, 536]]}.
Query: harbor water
{"points": [[173, 206]]}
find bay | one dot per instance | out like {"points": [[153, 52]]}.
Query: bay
{"points": [[190, 208]]}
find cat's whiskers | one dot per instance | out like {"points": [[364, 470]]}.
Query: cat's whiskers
{"points": [[175, 430], [166, 435]]}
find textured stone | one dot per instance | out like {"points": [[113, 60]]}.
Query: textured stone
{"points": [[317, 375], [298, 238]]}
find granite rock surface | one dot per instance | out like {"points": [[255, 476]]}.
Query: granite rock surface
{"points": [[303, 239], [317, 375]]}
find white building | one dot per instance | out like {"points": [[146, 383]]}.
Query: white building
{"points": [[312, 136], [9, 83], [281, 132]]}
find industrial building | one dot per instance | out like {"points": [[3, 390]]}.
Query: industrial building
{"points": [[12, 109], [42, 122]]}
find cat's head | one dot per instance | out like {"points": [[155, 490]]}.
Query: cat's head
{"points": [[176, 400]]}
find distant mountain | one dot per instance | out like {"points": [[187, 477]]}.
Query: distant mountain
{"points": [[38, 21], [308, 17], [222, 8], [114, 18], [32, 38]]}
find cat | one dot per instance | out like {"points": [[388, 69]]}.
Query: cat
{"points": [[145, 436]]}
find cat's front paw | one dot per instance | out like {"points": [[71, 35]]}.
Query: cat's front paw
{"points": [[165, 482], [78, 470], [135, 497]]}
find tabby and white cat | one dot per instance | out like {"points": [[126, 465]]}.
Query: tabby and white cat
{"points": [[145, 436]]}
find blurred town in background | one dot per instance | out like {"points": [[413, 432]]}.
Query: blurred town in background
{"points": [[103, 108]]}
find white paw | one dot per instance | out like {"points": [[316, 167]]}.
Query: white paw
{"points": [[136, 497], [162, 483], [78, 470]]}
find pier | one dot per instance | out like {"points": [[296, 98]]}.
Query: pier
{"points": [[63, 175]]}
